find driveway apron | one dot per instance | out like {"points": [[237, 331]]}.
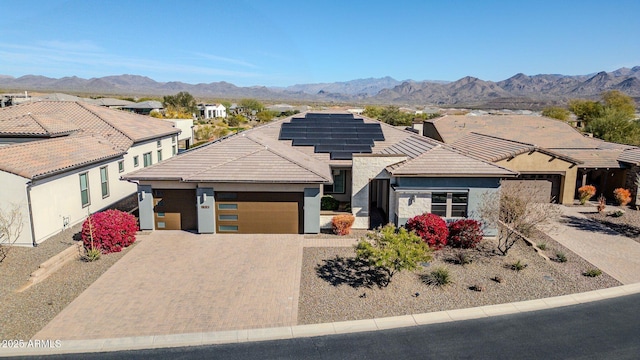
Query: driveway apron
{"points": [[176, 282], [617, 255]]}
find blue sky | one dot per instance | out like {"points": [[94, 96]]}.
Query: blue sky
{"points": [[280, 43]]}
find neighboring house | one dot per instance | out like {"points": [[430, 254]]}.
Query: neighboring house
{"points": [[212, 111], [64, 159], [144, 107], [561, 154], [185, 139], [111, 102], [270, 179]]}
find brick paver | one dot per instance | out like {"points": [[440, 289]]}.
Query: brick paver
{"points": [[617, 255], [177, 282]]}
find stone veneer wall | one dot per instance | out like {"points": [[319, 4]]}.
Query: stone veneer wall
{"points": [[630, 183]]}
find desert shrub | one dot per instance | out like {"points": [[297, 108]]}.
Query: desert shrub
{"points": [[561, 257], [465, 233], [518, 266], [462, 258], [328, 202], [342, 224], [542, 246], [109, 231], [392, 251], [592, 273], [623, 196], [440, 276], [585, 193], [602, 203], [431, 228], [92, 255], [617, 213]]}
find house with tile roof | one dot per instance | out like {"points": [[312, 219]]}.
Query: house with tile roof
{"points": [[555, 151], [60, 160], [270, 179]]}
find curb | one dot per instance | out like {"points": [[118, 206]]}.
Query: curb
{"points": [[51, 347]]}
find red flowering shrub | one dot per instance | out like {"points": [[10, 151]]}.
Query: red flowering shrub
{"points": [[431, 228], [465, 233], [342, 224], [112, 230]]}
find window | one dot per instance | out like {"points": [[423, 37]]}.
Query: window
{"points": [[84, 189], [104, 181], [228, 217], [339, 181], [159, 155], [147, 159], [173, 139], [227, 206], [135, 161], [228, 228], [159, 143], [121, 166], [174, 150], [450, 204]]}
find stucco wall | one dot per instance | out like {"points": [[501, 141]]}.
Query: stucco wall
{"points": [[537, 162], [56, 202], [13, 191], [366, 168], [405, 207]]}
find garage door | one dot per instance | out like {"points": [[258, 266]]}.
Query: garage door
{"points": [[175, 209], [259, 213]]}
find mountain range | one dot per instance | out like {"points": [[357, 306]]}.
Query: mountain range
{"points": [[519, 91]]}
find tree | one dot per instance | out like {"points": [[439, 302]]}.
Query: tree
{"points": [[392, 251], [265, 116], [252, 104], [393, 116], [556, 112], [11, 224], [372, 111], [182, 103], [585, 110], [615, 126], [515, 213], [619, 102]]}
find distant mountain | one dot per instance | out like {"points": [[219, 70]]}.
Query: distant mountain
{"points": [[518, 91]]}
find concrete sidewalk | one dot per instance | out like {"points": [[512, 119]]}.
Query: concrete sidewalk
{"points": [[617, 255]]}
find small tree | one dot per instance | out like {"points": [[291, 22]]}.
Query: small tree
{"points": [[11, 224], [515, 213], [392, 251], [556, 112]]}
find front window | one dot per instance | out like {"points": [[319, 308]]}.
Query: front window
{"points": [[159, 143], [449, 204], [339, 183], [135, 161], [159, 155], [121, 166], [84, 189]]}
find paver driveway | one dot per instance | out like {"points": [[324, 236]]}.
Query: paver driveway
{"points": [[177, 282]]}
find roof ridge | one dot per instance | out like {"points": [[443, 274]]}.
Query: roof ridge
{"points": [[222, 163], [37, 122], [451, 148], [497, 137], [106, 122], [288, 158]]}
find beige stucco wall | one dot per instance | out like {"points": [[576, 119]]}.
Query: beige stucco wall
{"points": [[366, 168], [537, 162]]}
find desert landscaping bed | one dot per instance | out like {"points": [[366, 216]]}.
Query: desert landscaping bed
{"points": [[627, 224], [330, 290]]}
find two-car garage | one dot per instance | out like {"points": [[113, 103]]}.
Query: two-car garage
{"points": [[234, 212]]}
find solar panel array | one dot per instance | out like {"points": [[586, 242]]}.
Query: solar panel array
{"points": [[340, 135]]}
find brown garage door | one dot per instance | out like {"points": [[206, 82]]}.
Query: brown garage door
{"points": [[259, 213], [175, 209]]}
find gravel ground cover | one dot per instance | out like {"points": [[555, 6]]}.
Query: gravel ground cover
{"points": [[332, 290], [627, 224]]}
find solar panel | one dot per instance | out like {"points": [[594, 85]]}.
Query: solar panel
{"points": [[340, 135]]}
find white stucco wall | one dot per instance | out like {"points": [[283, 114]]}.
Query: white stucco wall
{"points": [[185, 126], [410, 205], [56, 202], [366, 168], [13, 190]]}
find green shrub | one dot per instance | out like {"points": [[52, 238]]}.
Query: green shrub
{"points": [[92, 255], [462, 258], [561, 257], [542, 246], [440, 276], [518, 265], [592, 272], [328, 202]]}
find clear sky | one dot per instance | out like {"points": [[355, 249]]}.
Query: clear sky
{"points": [[280, 43]]}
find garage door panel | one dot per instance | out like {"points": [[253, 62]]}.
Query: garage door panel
{"points": [[260, 213], [175, 209]]}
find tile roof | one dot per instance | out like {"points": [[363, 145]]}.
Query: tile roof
{"points": [[594, 158], [91, 132], [631, 156], [491, 148], [245, 157], [444, 161], [258, 155]]}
